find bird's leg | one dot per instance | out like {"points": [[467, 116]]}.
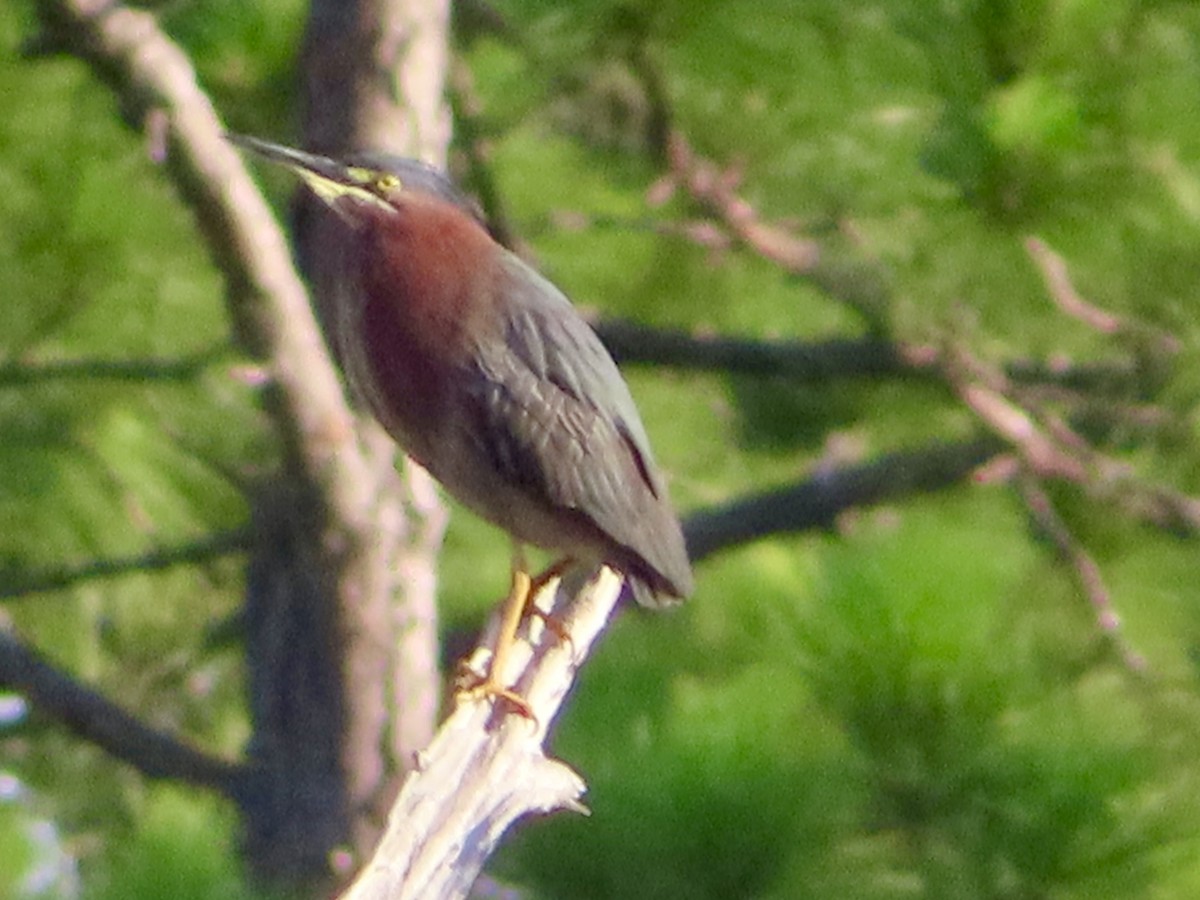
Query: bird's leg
{"points": [[519, 603], [519, 596]]}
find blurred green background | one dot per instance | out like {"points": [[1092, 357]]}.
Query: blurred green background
{"points": [[918, 703]]}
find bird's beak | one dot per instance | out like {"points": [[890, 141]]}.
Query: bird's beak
{"points": [[329, 179]]}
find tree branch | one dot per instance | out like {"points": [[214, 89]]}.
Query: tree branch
{"points": [[816, 502], [21, 584], [1049, 446], [268, 302], [94, 718], [487, 766], [801, 361], [836, 358], [22, 374], [1083, 567], [349, 500], [862, 287]]}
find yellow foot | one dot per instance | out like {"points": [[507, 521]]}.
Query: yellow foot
{"points": [[490, 689], [518, 604]]}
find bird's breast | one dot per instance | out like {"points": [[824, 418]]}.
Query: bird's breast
{"points": [[425, 304]]}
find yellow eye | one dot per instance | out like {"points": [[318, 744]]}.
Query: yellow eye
{"points": [[385, 182]]}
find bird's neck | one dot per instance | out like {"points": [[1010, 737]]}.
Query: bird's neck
{"points": [[436, 267]]}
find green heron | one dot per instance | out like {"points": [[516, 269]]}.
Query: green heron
{"points": [[485, 374]]}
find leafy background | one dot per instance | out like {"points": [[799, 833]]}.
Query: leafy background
{"points": [[916, 704]]}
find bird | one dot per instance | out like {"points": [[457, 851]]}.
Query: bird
{"points": [[484, 373]]}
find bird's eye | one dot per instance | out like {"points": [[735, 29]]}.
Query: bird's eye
{"points": [[385, 182]]}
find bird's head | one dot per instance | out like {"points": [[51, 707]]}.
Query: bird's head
{"points": [[363, 183]]}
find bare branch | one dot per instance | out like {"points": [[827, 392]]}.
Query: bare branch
{"points": [[822, 361], [1020, 429], [795, 360], [22, 374], [16, 585], [349, 497], [1083, 567], [487, 766], [267, 300], [717, 191], [53, 693], [1062, 291], [818, 501], [855, 282], [1049, 446]]}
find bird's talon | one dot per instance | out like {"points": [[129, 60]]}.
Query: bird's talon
{"points": [[555, 626], [490, 689]]}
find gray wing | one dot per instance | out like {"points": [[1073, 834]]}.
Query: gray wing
{"points": [[560, 422]]}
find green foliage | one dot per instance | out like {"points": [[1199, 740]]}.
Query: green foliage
{"points": [[918, 704], [1000, 783], [16, 849], [100, 263], [37, 864], [179, 850]]}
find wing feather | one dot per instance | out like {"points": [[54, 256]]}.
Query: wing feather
{"points": [[557, 419]]}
